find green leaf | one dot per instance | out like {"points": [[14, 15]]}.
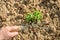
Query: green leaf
{"points": [[36, 15], [28, 17]]}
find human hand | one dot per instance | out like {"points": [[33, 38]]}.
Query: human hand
{"points": [[8, 32]]}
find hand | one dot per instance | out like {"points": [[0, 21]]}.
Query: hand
{"points": [[8, 32]]}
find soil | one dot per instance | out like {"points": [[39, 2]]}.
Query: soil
{"points": [[12, 12]]}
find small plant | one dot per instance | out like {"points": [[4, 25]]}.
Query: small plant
{"points": [[29, 17], [35, 16]]}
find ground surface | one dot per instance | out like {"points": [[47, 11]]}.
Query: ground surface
{"points": [[12, 12]]}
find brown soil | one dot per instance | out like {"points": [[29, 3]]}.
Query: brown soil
{"points": [[12, 12]]}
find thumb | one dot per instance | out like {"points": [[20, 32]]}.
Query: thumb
{"points": [[12, 34]]}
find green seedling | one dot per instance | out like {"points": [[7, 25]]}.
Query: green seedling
{"points": [[29, 17], [35, 16]]}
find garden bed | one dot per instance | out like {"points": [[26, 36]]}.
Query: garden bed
{"points": [[12, 12]]}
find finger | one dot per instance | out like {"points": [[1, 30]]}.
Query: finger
{"points": [[13, 28], [12, 34]]}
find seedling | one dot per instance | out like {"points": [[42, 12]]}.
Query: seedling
{"points": [[35, 16]]}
